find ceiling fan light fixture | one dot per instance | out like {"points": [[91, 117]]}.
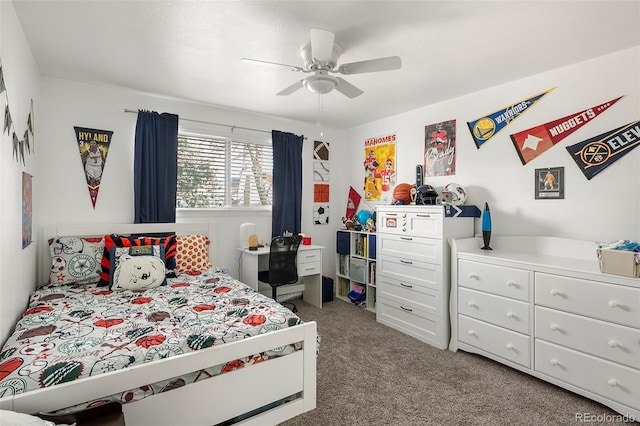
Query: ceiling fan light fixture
{"points": [[320, 83]]}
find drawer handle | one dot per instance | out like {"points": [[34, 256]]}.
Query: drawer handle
{"points": [[423, 215], [613, 304], [512, 283], [509, 347], [554, 362], [555, 292], [471, 333], [406, 238], [510, 315], [613, 344], [612, 382], [309, 269], [473, 304], [406, 309], [406, 285], [472, 275], [406, 262], [554, 327]]}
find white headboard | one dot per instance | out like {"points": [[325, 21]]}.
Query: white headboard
{"points": [[101, 229]]}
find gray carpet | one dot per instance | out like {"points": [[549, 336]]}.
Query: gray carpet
{"points": [[371, 374]]}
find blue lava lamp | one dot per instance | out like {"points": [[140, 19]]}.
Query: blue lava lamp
{"points": [[486, 227]]}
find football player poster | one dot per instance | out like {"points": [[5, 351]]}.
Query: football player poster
{"points": [[93, 146], [440, 149], [379, 166]]}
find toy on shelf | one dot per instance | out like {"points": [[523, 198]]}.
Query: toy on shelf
{"points": [[402, 193], [454, 194]]}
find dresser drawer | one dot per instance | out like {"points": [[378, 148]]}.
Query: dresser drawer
{"points": [[410, 319], [424, 298], [614, 342], [616, 382], [427, 222], [500, 280], [497, 310], [609, 302], [506, 344], [418, 273], [410, 247]]}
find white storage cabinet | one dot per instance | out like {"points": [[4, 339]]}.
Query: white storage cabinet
{"points": [[542, 306], [413, 269]]}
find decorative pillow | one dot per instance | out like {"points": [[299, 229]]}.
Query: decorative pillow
{"points": [[168, 243], [116, 253], [193, 253], [75, 260], [137, 268]]}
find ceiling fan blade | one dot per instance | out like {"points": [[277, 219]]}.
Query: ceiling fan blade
{"points": [[372, 65], [289, 90], [291, 67], [321, 44], [347, 88]]}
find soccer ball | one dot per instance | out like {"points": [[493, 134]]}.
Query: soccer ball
{"points": [[58, 264], [321, 215]]}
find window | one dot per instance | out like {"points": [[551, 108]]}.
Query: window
{"points": [[216, 172]]}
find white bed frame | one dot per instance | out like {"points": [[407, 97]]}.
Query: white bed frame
{"points": [[206, 402]]}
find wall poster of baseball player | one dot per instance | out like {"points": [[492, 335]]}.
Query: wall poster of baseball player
{"points": [[379, 166], [440, 149], [94, 147]]}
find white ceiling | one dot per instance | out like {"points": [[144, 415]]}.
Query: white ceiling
{"points": [[192, 49]]}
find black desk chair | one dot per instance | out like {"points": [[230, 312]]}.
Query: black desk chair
{"points": [[283, 268]]}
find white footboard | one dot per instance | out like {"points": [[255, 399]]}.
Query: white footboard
{"points": [[209, 401]]}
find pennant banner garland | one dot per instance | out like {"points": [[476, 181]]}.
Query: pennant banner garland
{"points": [[532, 142], [94, 147], [20, 146], [486, 127], [596, 154]]}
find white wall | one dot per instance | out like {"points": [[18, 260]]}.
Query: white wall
{"points": [[66, 199], [22, 80], [605, 208]]}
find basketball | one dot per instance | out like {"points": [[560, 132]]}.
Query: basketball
{"points": [[402, 193]]}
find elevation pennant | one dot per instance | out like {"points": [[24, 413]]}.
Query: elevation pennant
{"points": [[484, 128], [532, 142], [93, 146], [596, 154]]}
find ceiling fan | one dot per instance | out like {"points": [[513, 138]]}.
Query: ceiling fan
{"points": [[320, 57]]}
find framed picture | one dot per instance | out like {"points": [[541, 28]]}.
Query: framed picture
{"points": [[549, 183]]}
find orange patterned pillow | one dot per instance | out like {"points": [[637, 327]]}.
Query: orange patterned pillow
{"points": [[192, 253]]}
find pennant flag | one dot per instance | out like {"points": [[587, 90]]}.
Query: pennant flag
{"points": [[2, 86], [7, 120], [596, 154], [536, 140], [94, 148], [352, 203], [486, 127]]}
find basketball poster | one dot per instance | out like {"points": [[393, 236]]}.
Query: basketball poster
{"points": [[93, 146], [440, 149], [379, 166], [532, 142], [596, 154], [484, 128]]}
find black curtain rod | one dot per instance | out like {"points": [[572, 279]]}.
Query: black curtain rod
{"points": [[215, 124]]}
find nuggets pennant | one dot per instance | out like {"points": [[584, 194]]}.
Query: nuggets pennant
{"points": [[486, 127], [536, 140], [94, 148], [596, 154]]}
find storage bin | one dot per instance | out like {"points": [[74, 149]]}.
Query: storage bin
{"points": [[358, 269], [619, 262], [342, 242], [372, 247], [327, 289]]}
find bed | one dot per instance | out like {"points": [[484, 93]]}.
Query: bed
{"points": [[264, 373]]}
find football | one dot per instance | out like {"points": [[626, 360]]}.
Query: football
{"points": [[402, 193]]}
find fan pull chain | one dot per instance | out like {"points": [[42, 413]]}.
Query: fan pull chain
{"points": [[320, 112]]}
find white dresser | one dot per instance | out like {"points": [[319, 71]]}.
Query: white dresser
{"points": [[542, 306], [412, 273]]}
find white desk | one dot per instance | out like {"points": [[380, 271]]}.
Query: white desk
{"points": [[309, 270]]}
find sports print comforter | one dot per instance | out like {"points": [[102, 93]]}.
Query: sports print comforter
{"points": [[74, 331]]}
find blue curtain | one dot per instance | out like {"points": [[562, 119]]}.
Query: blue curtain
{"points": [[287, 183], [155, 168]]}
